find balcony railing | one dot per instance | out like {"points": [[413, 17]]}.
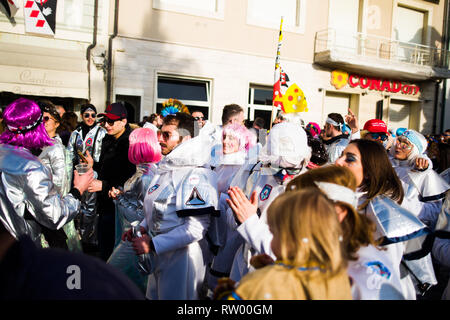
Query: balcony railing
{"points": [[379, 48]]}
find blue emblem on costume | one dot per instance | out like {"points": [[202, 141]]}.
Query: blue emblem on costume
{"points": [[156, 186], [265, 192], [379, 268]]}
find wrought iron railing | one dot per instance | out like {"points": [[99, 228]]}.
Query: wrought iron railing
{"points": [[370, 46]]}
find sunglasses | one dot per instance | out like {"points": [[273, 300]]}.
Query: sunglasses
{"points": [[381, 136], [199, 118], [108, 121], [403, 144], [46, 118], [89, 115], [165, 135]]}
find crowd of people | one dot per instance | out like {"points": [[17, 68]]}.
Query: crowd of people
{"points": [[177, 208]]}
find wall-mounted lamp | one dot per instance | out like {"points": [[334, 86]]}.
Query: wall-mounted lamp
{"points": [[100, 61], [364, 93]]}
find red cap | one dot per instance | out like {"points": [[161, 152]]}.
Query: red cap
{"points": [[375, 126], [115, 111]]}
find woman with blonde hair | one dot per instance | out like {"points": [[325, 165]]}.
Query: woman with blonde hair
{"points": [[311, 263], [370, 268]]}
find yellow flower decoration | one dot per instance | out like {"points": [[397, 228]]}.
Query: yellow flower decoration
{"points": [[339, 79]]}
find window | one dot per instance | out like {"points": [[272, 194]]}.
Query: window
{"points": [[260, 103], [410, 29], [344, 18], [194, 93], [267, 13], [205, 8]]}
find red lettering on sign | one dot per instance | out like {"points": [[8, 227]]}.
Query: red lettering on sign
{"points": [[350, 80], [364, 82], [375, 84]]}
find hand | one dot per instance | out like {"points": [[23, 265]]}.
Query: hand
{"points": [[224, 286], [141, 245], [89, 159], [95, 185], [352, 121], [114, 193], [261, 260], [241, 206], [82, 182], [128, 236], [421, 164]]}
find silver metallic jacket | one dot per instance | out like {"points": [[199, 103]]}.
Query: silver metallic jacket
{"points": [[26, 184], [130, 204], [92, 142], [54, 157], [335, 149]]}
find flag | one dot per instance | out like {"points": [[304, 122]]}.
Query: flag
{"points": [[286, 95], [40, 16], [11, 7]]}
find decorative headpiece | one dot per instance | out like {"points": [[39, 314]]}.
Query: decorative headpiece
{"points": [[173, 106]]}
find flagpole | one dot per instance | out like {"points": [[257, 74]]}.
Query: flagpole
{"points": [[277, 64]]}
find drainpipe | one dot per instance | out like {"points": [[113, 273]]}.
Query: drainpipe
{"points": [[111, 38], [90, 47], [445, 62], [436, 105]]}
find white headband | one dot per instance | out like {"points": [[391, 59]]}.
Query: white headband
{"points": [[336, 192], [334, 123]]}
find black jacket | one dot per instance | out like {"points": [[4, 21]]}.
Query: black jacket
{"points": [[113, 169]]}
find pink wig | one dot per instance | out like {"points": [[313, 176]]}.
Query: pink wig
{"points": [[144, 146], [24, 125], [245, 137]]}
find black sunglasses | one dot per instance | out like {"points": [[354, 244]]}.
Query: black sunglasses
{"points": [[199, 118], [89, 115], [109, 121]]}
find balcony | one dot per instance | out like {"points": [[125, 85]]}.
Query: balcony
{"points": [[380, 57]]}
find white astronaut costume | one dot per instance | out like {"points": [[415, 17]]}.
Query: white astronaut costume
{"points": [[178, 206], [399, 228], [373, 275], [286, 149], [223, 232], [424, 192]]}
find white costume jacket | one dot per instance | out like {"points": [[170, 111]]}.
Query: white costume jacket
{"points": [[178, 207]]}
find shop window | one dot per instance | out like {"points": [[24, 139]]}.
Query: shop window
{"points": [[194, 93], [260, 103]]}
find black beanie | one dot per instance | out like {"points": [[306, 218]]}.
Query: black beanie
{"points": [[87, 106]]}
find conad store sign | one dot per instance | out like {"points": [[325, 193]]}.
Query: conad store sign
{"points": [[340, 79]]}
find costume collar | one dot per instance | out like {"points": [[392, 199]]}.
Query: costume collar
{"points": [[330, 141]]}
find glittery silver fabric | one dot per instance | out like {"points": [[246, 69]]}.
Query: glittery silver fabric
{"points": [[26, 185]]}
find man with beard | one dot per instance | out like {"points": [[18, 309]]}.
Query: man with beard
{"points": [[178, 207], [87, 139], [337, 140]]}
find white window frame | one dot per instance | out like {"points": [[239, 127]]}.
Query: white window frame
{"points": [[301, 18], [166, 5], [206, 104], [253, 107]]}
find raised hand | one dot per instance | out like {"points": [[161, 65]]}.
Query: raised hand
{"points": [[241, 206]]}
